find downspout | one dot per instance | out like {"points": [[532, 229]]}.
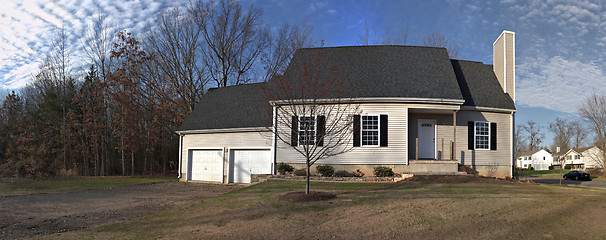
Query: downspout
{"points": [[275, 140], [180, 153]]}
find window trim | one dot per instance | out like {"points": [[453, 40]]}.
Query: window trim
{"points": [[300, 131], [475, 145], [378, 130]]}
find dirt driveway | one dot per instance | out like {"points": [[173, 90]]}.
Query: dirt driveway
{"points": [[39, 214]]}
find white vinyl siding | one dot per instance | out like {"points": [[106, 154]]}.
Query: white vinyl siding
{"points": [[394, 154], [444, 133], [223, 140]]}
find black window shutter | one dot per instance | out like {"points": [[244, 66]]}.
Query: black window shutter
{"points": [[321, 121], [356, 131], [470, 135], [383, 129], [493, 136], [294, 134]]}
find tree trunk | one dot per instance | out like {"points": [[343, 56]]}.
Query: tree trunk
{"points": [[132, 163], [307, 182]]}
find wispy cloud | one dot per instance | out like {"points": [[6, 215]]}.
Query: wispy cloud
{"points": [[557, 83], [27, 29]]}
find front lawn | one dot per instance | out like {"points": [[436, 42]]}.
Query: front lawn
{"points": [[8, 188], [375, 210]]}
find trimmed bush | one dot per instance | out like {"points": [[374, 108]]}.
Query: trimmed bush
{"points": [[284, 168], [358, 173], [383, 172], [300, 172], [343, 173], [325, 170], [568, 167]]}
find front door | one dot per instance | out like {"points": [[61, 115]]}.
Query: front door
{"points": [[427, 139]]}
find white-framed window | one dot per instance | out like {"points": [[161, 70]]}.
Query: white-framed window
{"points": [[370, 130], [577, 157], [568, 157], [307, 130], [482, 135]]}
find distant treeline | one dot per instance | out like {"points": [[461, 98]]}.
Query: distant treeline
{"points": [[121, 117]]}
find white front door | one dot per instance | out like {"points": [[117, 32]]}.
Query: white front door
{"points": [[427, 139]]}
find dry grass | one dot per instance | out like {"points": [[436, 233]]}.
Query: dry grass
{"points": [[377, 210]]}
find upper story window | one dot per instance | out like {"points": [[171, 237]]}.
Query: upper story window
{"points": [[482, 135], [577, 157], [370, 130], [568, 157], [307, 130]]}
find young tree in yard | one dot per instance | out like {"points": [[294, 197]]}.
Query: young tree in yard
{"points": [[314, 113], [593, 110], [534, 135]]}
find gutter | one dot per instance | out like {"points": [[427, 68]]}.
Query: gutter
{"points": [[225, 130], [372, 100]]}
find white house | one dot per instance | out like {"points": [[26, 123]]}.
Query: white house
{"points": [[538, 160], [584, 158], [420, 112]]}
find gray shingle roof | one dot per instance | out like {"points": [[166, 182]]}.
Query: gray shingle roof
{"points": [[369, 71], [230, 107], [386, 71], [479, 86]]}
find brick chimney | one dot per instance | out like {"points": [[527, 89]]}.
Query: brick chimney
{"points": [[504, 62]]}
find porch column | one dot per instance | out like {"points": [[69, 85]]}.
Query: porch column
{"points": [[454, 134]]}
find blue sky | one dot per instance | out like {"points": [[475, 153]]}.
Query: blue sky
{"points": [[559, 44]]}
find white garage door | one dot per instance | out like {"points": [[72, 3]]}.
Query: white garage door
{"points": [[206, 165], [249, 161]]}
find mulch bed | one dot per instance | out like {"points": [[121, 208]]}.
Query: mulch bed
{"points": [[457, 179], [300, 196]]}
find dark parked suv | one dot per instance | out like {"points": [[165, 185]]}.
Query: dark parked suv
{"points": [[577, 175]]}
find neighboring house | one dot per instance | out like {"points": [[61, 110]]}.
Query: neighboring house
{"points": [[538, 160], [459, 112], [584, 158]]}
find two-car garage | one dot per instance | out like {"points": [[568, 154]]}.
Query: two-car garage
{"points": [[212, 164]]}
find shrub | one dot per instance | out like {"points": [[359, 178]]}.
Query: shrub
{"points": [[325, 170], [343, 173], [568, 167], [358, 173], [531, 168], [284, 168], [550, 168], [383, 172], [300, 172]]}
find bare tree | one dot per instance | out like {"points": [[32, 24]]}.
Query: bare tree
{"points": [[177, 72], [233, 40], [314, 113], [579, 134], [519, 140], [562, 133], [593, 110], [389, 37], [282, 46], [439, 40], [534, 135]]}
